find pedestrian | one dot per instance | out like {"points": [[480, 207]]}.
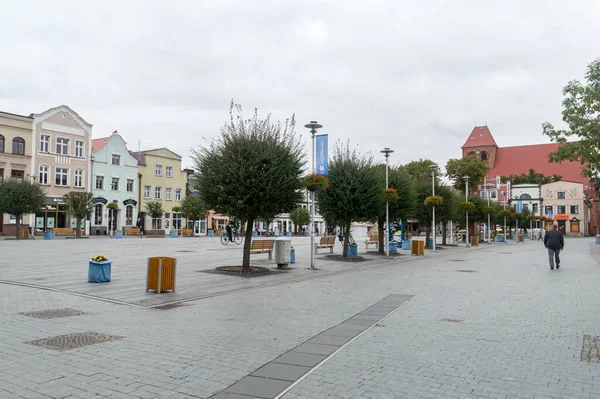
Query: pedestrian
{"points": [[542, 234], [555, 242]]}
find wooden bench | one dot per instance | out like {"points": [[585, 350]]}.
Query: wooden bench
{"points": [[373, 239], [64, 231], [325, 242], [187, 232], [262, 247], [132, 231]]}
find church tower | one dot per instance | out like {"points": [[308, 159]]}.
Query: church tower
{"points": [[481, 144]]}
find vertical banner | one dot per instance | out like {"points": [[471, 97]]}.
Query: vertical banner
{"points": [[520, 206], [321, 155]]}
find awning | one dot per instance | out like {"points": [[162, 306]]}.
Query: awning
{"points": [[561, 216]]}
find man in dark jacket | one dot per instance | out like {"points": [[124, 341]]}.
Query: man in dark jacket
{"points": [[554, 241]]}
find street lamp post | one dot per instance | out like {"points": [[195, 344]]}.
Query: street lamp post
{"points": [[466, 200], [488, 204], [504, 204], [313, 126], [433, 167], [386, 241]]}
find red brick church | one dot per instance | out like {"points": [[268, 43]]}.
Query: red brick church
{"points": [[505, 161]]}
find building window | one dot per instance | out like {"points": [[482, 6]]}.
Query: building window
{"points": [[114, 184], [17, 174], [483, 194], [168, 194], [79, 149], [146, 191], [534, 208], [62, 146], [99, 182], [18, 146], [574, 209], [1, 143], [561, 209], [548, 210], [169, 171], [62, 177], [44, 143], [157, 193], [493, 194], [574, 226], [130, 185], [561, 195], [79, 178], [176, 221], [116, 159], [129, 215], [178, 194], [158, 170], [98, 214], [43, 176], [484, 156]]}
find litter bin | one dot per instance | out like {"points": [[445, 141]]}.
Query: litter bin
{"points": [[417, 247], [161, 274], [474, 241], [393, 247], [283, 246]]}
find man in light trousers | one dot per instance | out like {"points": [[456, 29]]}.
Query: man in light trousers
{"points": [[555, 242]]}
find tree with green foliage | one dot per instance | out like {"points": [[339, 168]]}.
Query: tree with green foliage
{"points": [[192, 208], [251, 171], [353, 192], [419, 171], [532, 178], [447, 212], [300, 217], [81, 205], [20, 197], [581, 107], [155, 210], [471, 166]]}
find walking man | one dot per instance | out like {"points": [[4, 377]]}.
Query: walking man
{"points": [[554, 241]]}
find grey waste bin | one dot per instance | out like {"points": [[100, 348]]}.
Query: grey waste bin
{"points": [[283, 246]]}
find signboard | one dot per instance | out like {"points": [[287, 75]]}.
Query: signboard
{"points": [[39, 222], [520, 206], [50, 222], [321, 155], [13, 220], [100, 200], [74, 223], [130, 202]]}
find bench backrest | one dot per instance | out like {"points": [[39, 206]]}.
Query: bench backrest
{"points": [[64, 230], [374, 237], [262, 244], [132, 230], [328, 240]]}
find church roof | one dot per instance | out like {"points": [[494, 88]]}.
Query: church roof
{"points": [[479, 137]]}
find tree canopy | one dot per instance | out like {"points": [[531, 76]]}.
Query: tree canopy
{"points": [[300, 217], [419, 171], [81, 205], [471, 166], [193, 208], [19, 197], [251, 171], [581, 107], [532, 177]]}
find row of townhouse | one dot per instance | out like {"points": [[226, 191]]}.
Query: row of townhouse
{"points": [[56, 149]]}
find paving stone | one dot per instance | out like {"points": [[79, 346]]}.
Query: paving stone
{"points": [[328, 340], [258, 386], [315, 349], [299, 359], [281, 371]]}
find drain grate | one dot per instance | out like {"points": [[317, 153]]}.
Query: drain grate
{"points": [[54, 313], [452, 320], [72, 341], [466, 271], [590, 352]]}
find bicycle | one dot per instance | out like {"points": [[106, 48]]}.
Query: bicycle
{"points": [[350, 239], [236, 238]]}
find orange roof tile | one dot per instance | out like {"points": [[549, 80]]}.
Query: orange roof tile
{"points": [[480, 136], [98, 144]]}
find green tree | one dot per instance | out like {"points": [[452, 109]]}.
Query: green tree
{"points": [[19, 197], [192, 208], [251, 171], [581, 107], [532, 177], [473, 167], [81, 205], [300, 217], [353, 191], [155, 210], [419, 171], [447, 212]]}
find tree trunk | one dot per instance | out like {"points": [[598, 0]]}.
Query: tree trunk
{"points": [[18, 227], [444, 231], [247, 245], [78, 227], [380, 233], [346, 241]]}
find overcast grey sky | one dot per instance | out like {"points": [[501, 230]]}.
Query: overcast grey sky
{"points": [[415, 76]]}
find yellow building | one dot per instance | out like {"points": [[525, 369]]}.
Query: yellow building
{"points": [[160, 178]]}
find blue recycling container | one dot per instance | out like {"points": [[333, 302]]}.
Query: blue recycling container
{"points": [[99, 272], [211, 233], [292, 255], [406, 244], [393, 247], [352, 250], [48, 235]]}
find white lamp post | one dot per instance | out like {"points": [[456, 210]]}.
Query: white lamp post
{"points": [[433, 168], [504, 204], [487, 188], [386, 241], [467, 200], [313, 126]]}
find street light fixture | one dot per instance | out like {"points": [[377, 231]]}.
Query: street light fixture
{"points": [[466, 178], [313, 126], [487, 192], [386, 241], [504, 204], [433, 168]]}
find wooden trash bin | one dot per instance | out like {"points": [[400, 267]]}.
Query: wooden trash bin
{"points": [[25, 233], [474, 241], [521, 238], [161, 274], [417, 247]]}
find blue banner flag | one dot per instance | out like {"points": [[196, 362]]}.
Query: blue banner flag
{"points": [[321, 155], [520, 206]]}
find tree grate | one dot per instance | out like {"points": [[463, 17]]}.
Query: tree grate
{"points": [[54, 313], [590, 352], [73, 341]]}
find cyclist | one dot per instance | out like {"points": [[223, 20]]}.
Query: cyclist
{"points": [[230, 229]]}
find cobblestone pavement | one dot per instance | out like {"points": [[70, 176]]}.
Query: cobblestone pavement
{"points": [[492, 322]]}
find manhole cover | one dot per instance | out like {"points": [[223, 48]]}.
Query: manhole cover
{"points": [[452, 320], [72, 341], [591, 349], [467, 271], [54, 313], [169, 306]]}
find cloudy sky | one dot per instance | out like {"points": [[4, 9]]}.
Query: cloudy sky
{"points": [[415, 76]]}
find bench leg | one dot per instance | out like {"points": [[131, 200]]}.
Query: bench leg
{"points": [[316, 249], [331, 249], [270, 255]]}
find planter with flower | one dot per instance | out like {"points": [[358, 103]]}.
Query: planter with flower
{"points": [[314, 182], [467, 206], [434, 200], [99, 269], [352, 249], [390, 194]]}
